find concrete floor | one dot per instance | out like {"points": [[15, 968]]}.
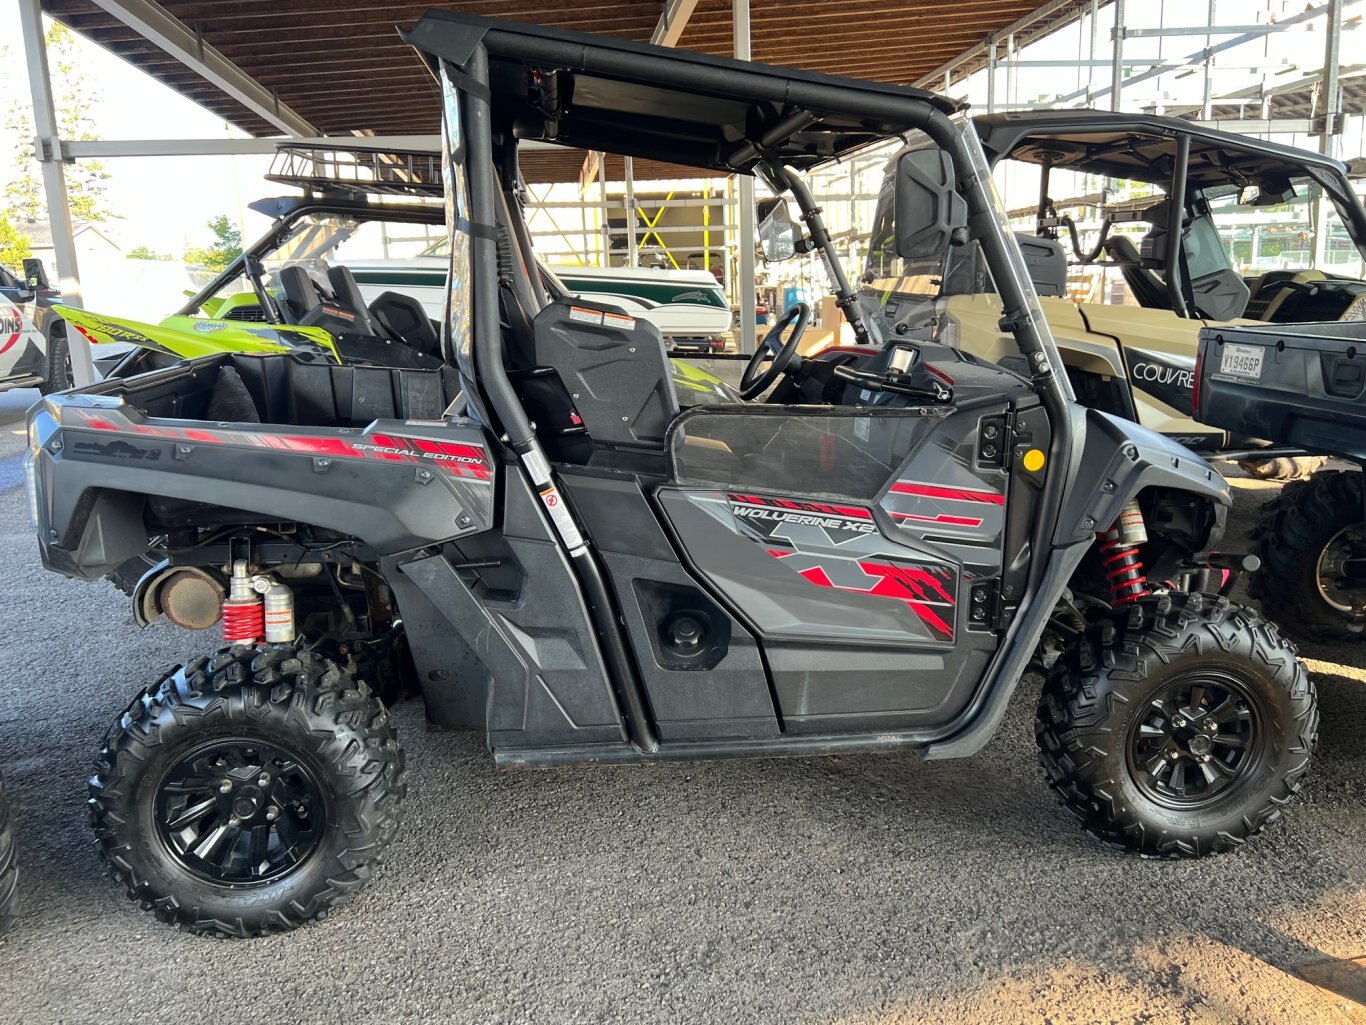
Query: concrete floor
{"points": [[857, 889]]}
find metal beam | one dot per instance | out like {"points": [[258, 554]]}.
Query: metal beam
{"points": [[105, 148], [632, 255], [940, 76], [54, 180], [157, 25], [1189, 60], [1332, 95], [745, 292], [672, 21], [1116, 58]]}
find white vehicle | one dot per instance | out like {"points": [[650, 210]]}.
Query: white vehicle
{"points": [[24, 355], [688, 306]]}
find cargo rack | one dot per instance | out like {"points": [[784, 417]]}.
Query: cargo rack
{"points": [[350, 166]]}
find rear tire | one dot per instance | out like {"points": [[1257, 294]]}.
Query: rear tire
{"points": [[1296, 538], [9, 868], [1179, 727], [252, 791]]}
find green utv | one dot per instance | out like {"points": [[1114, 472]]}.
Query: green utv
{"points": [[866, 554]]}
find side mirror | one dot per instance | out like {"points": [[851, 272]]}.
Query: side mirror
{"points": [[777, 233], [928, 207], [35, 275]]}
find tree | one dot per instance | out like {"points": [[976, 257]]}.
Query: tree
{"points": [[72, 104], [146, 253], [227, 248], [15, 246]]}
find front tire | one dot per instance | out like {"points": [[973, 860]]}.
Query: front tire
{"points": [[1179, 727], [59, 373], [252, 791], [9, 868], [1305, 538]]}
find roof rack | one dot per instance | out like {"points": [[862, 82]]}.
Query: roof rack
{"points": [[352, 167]]}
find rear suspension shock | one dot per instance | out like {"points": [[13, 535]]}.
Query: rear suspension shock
{"points": [[243, 619], [1119, 559]]}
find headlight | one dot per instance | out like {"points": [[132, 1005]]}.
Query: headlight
{"points": [[31, 486]]}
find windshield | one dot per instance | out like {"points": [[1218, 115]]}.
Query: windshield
{"points": [[383, 255], [1305, 232], [906, 294]]}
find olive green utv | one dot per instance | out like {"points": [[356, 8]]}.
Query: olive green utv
{"points": [[1263, 234]]}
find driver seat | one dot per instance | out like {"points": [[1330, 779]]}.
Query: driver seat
{"points": [[1146, 286]]}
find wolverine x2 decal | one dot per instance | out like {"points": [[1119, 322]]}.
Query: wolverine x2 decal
{"points": [[838, 546]]}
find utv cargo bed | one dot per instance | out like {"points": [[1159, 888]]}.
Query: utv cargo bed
{"points": [[1255, 381], [193, 444]]}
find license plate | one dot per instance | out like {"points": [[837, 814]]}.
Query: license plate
{"points": [[1242, 361]]}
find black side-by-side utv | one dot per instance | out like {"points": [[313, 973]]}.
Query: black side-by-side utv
{"points": [[1301, 385], [868, 560]]}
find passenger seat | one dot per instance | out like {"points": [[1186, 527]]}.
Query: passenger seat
{"points": [[406, 319]]}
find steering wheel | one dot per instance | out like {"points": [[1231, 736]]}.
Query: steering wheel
{"points": [[774, 357]]}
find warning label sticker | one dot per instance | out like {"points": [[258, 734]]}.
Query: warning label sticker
{"points": [[619, 321], [564, 522], [585, 316]]}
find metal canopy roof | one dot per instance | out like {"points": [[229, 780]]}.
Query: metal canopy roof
{"points": [[341, 65]]}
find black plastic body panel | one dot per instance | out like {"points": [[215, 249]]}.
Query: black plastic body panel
{"points": [[1308, 388], [720, 689]]}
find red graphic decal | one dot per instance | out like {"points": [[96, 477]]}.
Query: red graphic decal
{"points": [[944, 518], [920, 590], [11, 326], [790, 505], [913, 585], [911, 487], [452, 459]]}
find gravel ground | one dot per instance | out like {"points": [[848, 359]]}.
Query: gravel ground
{"points": [[856, 889]]}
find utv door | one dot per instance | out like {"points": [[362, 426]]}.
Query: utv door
{"points": [[863, 547]]}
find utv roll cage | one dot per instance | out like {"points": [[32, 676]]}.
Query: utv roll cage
{"points": [[502, 84], [288, 211], [1174, 154]]}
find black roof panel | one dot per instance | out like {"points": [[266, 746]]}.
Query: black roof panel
{"points": [[661, 103]]}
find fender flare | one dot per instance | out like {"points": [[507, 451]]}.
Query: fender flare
{"points": [[1114, 460]]}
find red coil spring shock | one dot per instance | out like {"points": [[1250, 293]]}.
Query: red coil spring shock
{"points": [[243, 612], [1122, 568], [243, 622]]}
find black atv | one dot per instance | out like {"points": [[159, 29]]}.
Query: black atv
{"points": [[869, 559], [1304, 386]]}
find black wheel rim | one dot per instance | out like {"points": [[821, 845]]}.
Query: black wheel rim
{"points": [[1341, 558], [240, 812], [1197, 741]]}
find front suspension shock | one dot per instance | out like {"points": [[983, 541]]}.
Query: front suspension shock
{"points": [[1119, 558]]}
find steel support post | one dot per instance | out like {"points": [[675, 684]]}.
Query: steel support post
{"points": [[48, 150], [1332, 116], [632, 254], [1117, 57], [745, 291], [602, 205], [991, 73]]}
